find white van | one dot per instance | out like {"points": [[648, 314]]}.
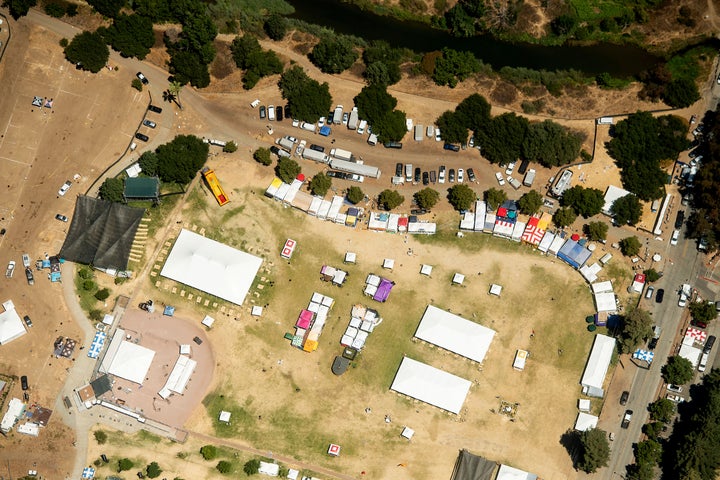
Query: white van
{"points": [[372, 139], [310, 127], [408, 172], [271, 113], [703, 362]]}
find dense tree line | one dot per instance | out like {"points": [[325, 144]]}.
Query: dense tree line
{"points": [[585, 201], [333, 54], [308, 99], [640, 144], [704, 222], [256, 62], [88, 50], [377, 106], [452, 67], [131, 35], [382, 63]]}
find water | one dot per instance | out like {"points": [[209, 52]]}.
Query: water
{"points": [[618, 60]]}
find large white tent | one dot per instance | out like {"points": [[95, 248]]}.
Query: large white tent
{"points": [[585, 421], [179, 376], [11, 325], [454, 333], [211, 266], [430, 385], [510, 473], [599, 361], [691, 354], [605, 302], [131, 362]]}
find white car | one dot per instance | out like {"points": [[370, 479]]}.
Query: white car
{"points": [[441, 174], [510, 168], [438, 138], [66, 186], [682, 301], [674, 398], [675, 236], [255, 103], [296, 123], [321, 122], [461, 175], [271, 113], [26, 260], [500, 179], [300, 148], [675, 388]]}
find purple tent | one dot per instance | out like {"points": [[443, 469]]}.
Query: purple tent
{"points": [[383, 290]]}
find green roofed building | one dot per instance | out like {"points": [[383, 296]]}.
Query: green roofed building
{"points": [[142, 188]]}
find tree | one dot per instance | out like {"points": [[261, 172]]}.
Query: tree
{"points": [[653, 429], [148, 162], [474, 111], [681, 93], [112, 190], [251, 467], [108, 8], [187, 67], [390, 199], [550, 144], [131, 35], [355, 195], [596, 450], [461, 197], [563, 24], [453, 67], [382, 62], [502, 139], [630, 246], [173, 93], [137, 84], [661, 410], [320, 184], [636, 327], [703, 312], [230, 147], [262, 155], [596, 231], [275, 26], [100, 437], [55, 10], [102, 294], [585, 201], [530, 202], [308, 99], [626, 210], [374, 102], [564, 217], [391, 127], [153, 470], [208, 452], [88, 49], [494, 197], [452, 127], [333, 54], [649, 452], [651, 275], [125, 464], [256, 62], [18, 8], [287, 169], [224, 466], [677, 370], [426, 198], [180, 159]]}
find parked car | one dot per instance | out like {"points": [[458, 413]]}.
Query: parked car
{"points": [[438, 138], [155, 109], [317, 148], [399, 169], [432, 176], [698, 323], [451, 175], [709, 344], [418, 211], [62, 218], [627, 418], [271, 113], [652, 343], [441, 174], [287, 111], [27, 321], [262, 111], [674, 398], [451, 147], [24, 382], [142, 136], [149, 123], [461, 175], [500, 179], [26, 260], [471, 174], [279, 151], [340, 175], [142, 78], [425, 178], [321, 122], [301, 145], [65, 187], [510, 168], [624, 397], [417, 174], [345, 118], [659, 295], [674, 238], [29, 276], [10, 269], [279, 113], [675, 388]]}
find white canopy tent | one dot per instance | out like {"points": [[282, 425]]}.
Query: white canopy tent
{"points": [[131, 362], [426, 270], [584, 405], [180, 374], [602, 287], [350, 257], [495, 289], [389, 263], [430, 385], [690, 353], [510, 473], [225, 416], [454, 333], [599, 361], [11, 325], [211, 266], [208, 321], [458, 278], [605, 302], [585, 421]]}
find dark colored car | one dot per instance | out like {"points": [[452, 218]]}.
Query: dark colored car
{"points": [[433, 176], [624, 397], [155, 109], [679, 219], [652, 343], [659, 295], [142, 78], [142, 136], [399, 169], [330, 118], [709, 344], [523, 167], [279, 114], [392, 144], [418, 211], [27, 320], [104, 458], [417, 174], [425, 178], [626, 419], [287, 111], [24, 382], [317, 148], [471, 174], [450, 146], [698, 323], [340, 175], [451, 175], [197, 340], [262, 111]]}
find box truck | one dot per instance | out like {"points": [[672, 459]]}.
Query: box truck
{"points": [[286, 143], [353, 120], [337, 116], [529, 178], [314, 155], [341, 154], [418, 133]]}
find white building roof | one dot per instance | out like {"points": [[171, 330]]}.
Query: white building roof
{"points": [[180, 374], [605, 302], [11, 326], [611, 194], [458, 278], [599, 361], [585, 421], [211, 266], [15, 409], [208, 321], [584, 405], [131, 362], [430, 385], [224, 416], [602, 287], [454, 333], [510, 473]]}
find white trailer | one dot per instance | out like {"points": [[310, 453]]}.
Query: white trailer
{"points": [[353, 120], [529, 178], [314, 155], [357, 168], [341, 154], [418, 133], [286, 143], [337, 116]]}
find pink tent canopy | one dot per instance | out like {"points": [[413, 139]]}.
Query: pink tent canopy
{"points": [[304, 319]]}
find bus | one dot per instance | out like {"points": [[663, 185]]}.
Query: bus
{"points": [[214, 185]]}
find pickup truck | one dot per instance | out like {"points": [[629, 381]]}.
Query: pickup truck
{"points": [[10, 269], [626, 419], [29, 276]]}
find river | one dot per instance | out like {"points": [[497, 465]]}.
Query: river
{"points": [[618, 60]]}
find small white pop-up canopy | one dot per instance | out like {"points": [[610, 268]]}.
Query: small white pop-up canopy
{"points": [[584, 405], [208, 321], [495, 289], [426, 270], [131, 362], [458, 278], [389, 263], [225, 416], [256, 311], [211, 266], [350, 257], [585, 421]]}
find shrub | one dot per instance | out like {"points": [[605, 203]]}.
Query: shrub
{"points": [[252, 467], [208, 452], [230, 147], [100, 437], [355, 195], [96, 315], [55, 10], [630, 246], [85, 273], [224, 466], [88, 285], [136, 84], [64, 42], [125, 464], [153, 470], [102, 294], [262, 156]]}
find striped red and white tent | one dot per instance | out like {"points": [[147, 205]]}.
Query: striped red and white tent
{"points": [[530, 230], [696, 334]]}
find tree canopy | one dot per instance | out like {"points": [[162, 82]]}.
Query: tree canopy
{"points": [[112, 189], [677, 370], [131, 35], [585, 201], [530, 202], [639, 144], [662, 410], [18, 8], [452, 127], [89, 50], [636, 327], [703, 311], [390, 199], [320, 184], [391, 127], [276, 26], [153, 470], [287, 169], [377, 106], [475, 112], [704, 221], [148, 162], [626, 210], [382, 63], [256, 62], [502, 139], [333, 54], [564, 217], [453, 67], [308, 99], [461, 197], [630, 246], [595, 450], [186, 67], [355, 195], [108, 8], [426, 198], [596, 231], [180, 159], [494, 197], [551, 144], [262, 156]]}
